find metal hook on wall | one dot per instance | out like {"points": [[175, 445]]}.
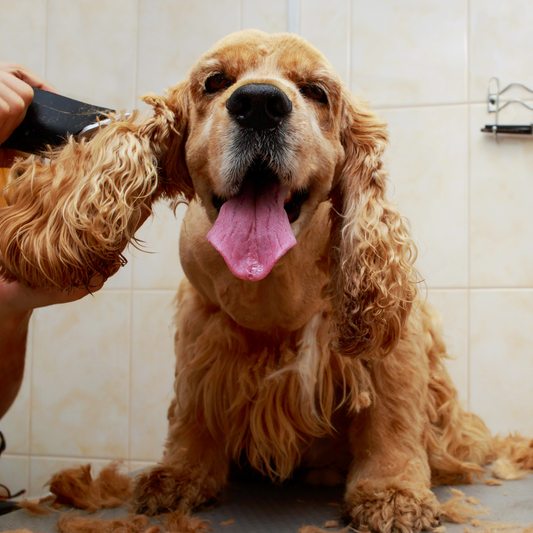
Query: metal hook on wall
{"points": [[494, 106]]}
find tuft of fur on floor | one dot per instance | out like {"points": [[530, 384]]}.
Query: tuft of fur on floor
{"points": [[75, 487], [70, 523], [172, 523], [329, 525], [35, 507], [515, 456], [498, 527], [181, 522], [458, 509]]}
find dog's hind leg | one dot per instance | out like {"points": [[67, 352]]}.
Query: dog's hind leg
{"points": [[458, 442]]}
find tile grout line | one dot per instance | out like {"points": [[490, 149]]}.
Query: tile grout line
{"points": [[81, 458], [468, 213], [136, 55], [33, 319], [294, 15], [30, 407], [349, 47], [130, 336], [421, 106], [482, 288]]}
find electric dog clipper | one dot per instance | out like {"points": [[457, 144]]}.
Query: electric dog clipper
{"points": [[51, 118]]}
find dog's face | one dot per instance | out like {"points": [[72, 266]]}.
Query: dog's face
{"points": [[264, 108], [263, 131]]}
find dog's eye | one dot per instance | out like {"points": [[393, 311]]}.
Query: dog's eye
{"points": [[314, 92], [216, 83]]}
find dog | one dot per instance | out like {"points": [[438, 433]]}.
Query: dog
{"points": [[302, 340]]}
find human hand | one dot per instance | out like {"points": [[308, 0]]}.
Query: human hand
{"points": [[17, 300], [16, 94]]}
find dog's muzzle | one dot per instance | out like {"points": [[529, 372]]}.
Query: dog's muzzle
{"points": [[259, 106]]}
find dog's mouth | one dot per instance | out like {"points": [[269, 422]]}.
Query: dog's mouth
{"points": [[260, 175], [253, 227]]}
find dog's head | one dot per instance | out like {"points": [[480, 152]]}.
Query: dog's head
{"points": [[269, 131], [262, 144]]}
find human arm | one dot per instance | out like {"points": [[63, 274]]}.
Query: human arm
{"points": [[16, 306], [16, 301]]}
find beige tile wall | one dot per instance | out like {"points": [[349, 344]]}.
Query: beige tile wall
{"points": [[100, 371]]}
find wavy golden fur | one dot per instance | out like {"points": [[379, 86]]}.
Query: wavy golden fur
{"points": [[67, 220], [332, 362]]}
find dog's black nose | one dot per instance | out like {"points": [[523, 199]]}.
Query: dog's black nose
{"points": [[259, 106]]}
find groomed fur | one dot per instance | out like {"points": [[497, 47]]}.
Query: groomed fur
{"points": [[458, 442], [69, 218]]}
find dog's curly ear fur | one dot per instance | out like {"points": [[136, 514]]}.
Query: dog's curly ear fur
{"points": [[175, 181], [67, 220], [373, 280]]}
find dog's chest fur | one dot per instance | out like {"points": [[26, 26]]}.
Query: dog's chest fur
{"points": [[271, 396]]}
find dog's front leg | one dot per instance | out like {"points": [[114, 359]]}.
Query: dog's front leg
{"points": [[388, 487], [193, 471]]}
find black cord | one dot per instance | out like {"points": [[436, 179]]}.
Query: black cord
{"points": [[6, 503]]}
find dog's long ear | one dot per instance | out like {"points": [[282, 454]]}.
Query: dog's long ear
{"points": [[67, 220], [175, 181], [373, 281]]}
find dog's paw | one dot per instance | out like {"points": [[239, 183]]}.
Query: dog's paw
{"points": [[167, 488], [392, 509]]}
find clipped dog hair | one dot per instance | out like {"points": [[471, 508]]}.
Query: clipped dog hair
{"points": [[76, 487]]}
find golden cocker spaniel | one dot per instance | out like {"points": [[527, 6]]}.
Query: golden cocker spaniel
{"points": [[301, 337]]}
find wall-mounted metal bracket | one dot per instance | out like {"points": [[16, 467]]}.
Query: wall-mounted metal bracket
{"points": [[494, 105]]}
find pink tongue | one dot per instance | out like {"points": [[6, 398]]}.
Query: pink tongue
{"points": [[252, 231]]}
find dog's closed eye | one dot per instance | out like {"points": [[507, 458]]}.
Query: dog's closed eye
{"points": [[217, 82], [314, 92]]}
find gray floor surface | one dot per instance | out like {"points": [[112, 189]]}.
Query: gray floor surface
{"points": [[260, 507]]}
